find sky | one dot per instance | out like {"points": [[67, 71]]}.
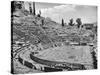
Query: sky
{"points": [[56, 12]]}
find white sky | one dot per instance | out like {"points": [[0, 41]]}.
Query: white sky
{"points": [[56, 12]]}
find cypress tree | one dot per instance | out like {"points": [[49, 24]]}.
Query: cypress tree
{"points": [[30, 8], [34, 8], [79, 22], [62, 22], [71, 22]]}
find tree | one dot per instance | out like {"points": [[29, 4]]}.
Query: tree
{"points": [[16, 5], [62, 22], [30, 8], [79, 22], [71, 22], [34, 8]]}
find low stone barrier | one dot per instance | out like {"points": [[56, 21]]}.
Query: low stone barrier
{"points": [[58, 65], [48, 66], [26, 63]]}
